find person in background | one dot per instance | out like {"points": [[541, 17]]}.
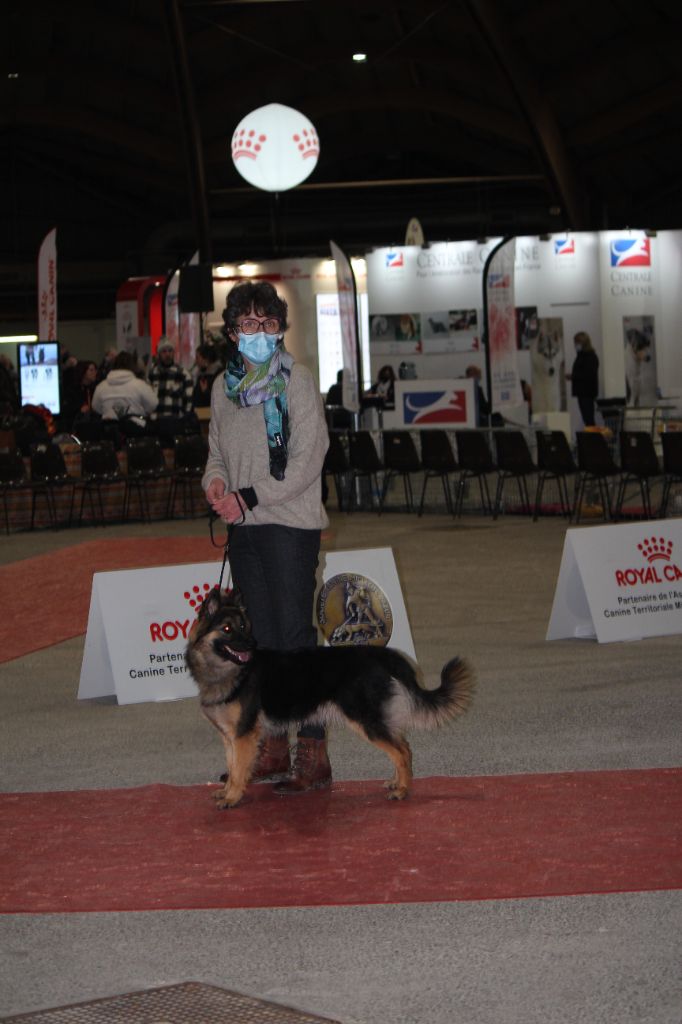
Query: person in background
{"points": [[385, 386], [584, 376], [207, 368], [78, 387], [107, 363], [473, 372], [171, 382], [267, 443], [338, 418], [9, 392], [122, 396]]}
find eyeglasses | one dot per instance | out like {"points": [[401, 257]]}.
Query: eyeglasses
{"points": [[270, 326]]}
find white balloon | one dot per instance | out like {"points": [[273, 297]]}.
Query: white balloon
{"points": [[275, 147]]}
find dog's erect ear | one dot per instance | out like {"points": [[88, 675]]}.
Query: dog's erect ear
{"points": [[211, 603], [237, 600]]}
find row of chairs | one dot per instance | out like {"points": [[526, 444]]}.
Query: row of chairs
{"points": [[47, 476], [353, 457]]}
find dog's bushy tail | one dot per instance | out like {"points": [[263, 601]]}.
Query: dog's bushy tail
{"points": [[433, 708]]}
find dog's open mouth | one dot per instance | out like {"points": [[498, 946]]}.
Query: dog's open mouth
{"points": [[231, 653]]}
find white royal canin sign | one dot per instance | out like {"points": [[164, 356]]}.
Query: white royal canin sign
{"points": [[620, 582], [140, 619]]}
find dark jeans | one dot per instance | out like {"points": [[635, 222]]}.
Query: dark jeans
{"points": [[274, 568]]}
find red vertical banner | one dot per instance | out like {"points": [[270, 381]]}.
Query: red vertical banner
{"points": [[501, 328], [47, 287], [348, 315]]}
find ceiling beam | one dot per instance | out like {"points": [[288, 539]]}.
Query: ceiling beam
{"points": [[534, 108]]}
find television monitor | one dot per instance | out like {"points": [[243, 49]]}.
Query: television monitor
{"points": [[38, 363]]}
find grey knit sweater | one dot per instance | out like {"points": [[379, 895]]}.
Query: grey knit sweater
{"points": [[238, 454]]}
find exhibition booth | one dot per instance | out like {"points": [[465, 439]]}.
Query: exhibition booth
{"points": [[420, 310]]}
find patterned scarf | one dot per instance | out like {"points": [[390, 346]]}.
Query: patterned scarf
{"points": [[265, 385]]}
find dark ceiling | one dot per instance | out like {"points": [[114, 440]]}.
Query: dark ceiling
{"points": [[479, 117]]}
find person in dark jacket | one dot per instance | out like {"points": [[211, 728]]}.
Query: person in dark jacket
{"points": [[584, 376]]}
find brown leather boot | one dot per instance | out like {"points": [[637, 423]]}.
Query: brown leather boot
{"points": [[311, 769], [273, 763]]}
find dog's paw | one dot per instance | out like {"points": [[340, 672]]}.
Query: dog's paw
{"points": [[219, 794], [390, 784], [229, 800], [397, 792]]}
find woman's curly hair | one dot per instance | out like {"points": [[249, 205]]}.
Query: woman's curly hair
{"points": [[257, 295]]}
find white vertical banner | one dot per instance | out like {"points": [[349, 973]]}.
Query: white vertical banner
{"points": [[504, 364], [183, 329], [349, 330], [47, 287], [172, 311]]}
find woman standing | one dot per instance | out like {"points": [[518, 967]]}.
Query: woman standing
{"points": [[584, 376], [267, 442]]}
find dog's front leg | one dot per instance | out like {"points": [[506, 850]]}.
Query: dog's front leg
{"points": [[240, 762]]}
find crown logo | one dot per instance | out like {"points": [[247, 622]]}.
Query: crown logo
{"points": [[196, 595], [656, 548], [307, 142], [247, 143]]}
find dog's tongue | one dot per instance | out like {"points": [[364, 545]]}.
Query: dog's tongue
{"points": [[240, 655]]}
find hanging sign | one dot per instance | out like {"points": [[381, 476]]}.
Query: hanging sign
{"points": [[620, 582]]}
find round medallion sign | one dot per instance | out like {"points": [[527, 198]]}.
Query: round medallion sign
{"points": [[353, 610]]}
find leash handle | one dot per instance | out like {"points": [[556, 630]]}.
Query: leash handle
{"points": [[230, 527]]}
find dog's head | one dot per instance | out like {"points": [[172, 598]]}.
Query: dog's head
{"points": [[220, 641]]}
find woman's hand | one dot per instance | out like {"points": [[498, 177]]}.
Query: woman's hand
{"points": [[215, 490], [229, 508]]}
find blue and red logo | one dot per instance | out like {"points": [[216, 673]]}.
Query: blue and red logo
{"points": [[394, 259], [497, 280], [630, 252], [564, 246], [435, 406]]}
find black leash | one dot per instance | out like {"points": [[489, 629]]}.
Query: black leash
{"points": [[212, 516]]}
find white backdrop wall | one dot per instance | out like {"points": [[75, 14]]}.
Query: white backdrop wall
{"points": [[589, 281]]}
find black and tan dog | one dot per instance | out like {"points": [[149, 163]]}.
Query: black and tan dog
{"points": [[248, 693]]}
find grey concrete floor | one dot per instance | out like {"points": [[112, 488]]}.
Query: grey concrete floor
{"points": [[474, 587]]}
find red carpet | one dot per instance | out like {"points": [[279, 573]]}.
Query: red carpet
{"points": [[64, 581], [165, 847]]}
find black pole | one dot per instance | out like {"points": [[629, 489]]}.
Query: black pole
{"points": [[486, 331], [191, 134]]}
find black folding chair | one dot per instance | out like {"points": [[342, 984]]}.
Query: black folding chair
{"points": [[475, 463], [438, 461], [638, 464], [514, 462], [365, 465], [191, 453], [13, 478], [100, 472], [555, 462], [49, 475], [400, 459], [672, 467], [146, 466], [337, 465], [595, 466]]}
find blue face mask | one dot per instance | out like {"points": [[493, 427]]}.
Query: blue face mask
{"points": [[258, 348]]}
